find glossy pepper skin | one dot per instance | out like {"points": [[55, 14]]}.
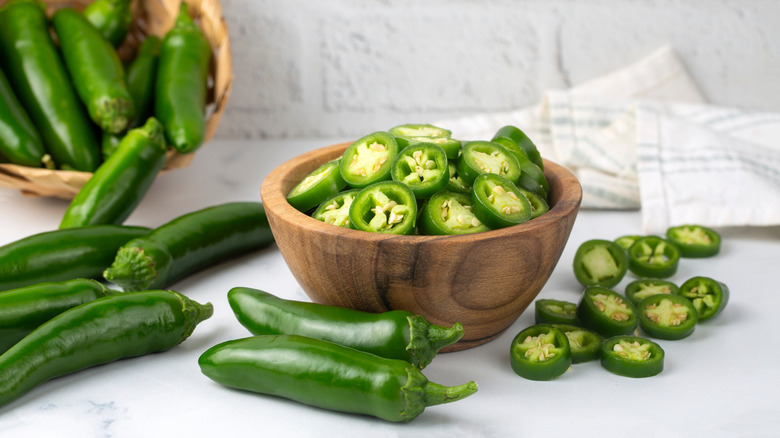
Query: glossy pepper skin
{"points": [[20, 142], [112, 18], [396, 334], [327, 375], [62, 254], [120, 183], [98, 332], [23, 310], [189, 243], [41, 82], [180, 93], [95, 69]]}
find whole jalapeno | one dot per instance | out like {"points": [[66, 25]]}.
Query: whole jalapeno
{"points": [[189, 243], [120, 183], [600, 262], [396, 334], [100, 331], [521, 140], [112, 18], [540, 352], [480, 157], [498, 203], [335, 210], [423, 167], [95, 70], [385, 207], [20, 142], [585, 344], [449, 213], [547, 311], [368, 160], [327, 375], [708, 295], [642, 288], [694, 241], [41, 82], [666, 316], [652, 256], [322, 183], [62, 254], [24, 309], [181, 83], [632, 356], [607, 312]]}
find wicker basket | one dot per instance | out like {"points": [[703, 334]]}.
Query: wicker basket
{"points": [[150, 17]]}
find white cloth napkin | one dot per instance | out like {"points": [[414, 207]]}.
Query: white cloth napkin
{"points": [[643, 136]]}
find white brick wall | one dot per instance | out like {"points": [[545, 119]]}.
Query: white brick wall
{"points": [[342, 68]]}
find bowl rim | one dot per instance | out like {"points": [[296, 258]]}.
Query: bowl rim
{"points": [[567, 194]]}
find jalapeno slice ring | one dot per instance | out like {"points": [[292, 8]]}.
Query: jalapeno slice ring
{"points": [[694, 241], [600, 263], [652, 256], [540, 352], [456, 183], [322, 183], [423, 167], [642, 288], [385, 207], [498, 203], [539, 205], [368, 160], [667, 316], [607, 312], [708, 295], [585, 344], [626, 241], [448, 213], [548, 311], [419, 130], [480, 157], [632, 356], [335, 210], [518, 137]]}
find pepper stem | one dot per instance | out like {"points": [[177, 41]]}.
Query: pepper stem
{"points": [[436, 394], [131, 269], [426, 339]]}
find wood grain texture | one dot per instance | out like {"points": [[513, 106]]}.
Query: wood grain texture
{"points": [[484, 281]]}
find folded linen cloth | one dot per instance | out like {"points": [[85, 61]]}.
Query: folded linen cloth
{"points": [[643, 136]]}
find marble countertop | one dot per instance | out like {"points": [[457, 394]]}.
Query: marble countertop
{"points": [[721, 381]]}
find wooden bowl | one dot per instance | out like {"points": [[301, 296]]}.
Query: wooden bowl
{"points": [[484, 280]]}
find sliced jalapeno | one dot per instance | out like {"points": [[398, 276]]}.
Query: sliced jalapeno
{"points": [[450, 146], [652, 256], [419, 130], [667, 316], [335, 210], [368, 160], [638, 290], [322, 183], [585, 344], [498, 203], [384, 207], [554, 311], [632, 356], [600, 262], [694, 241], [480, 157], [531, 175], [449, 213], [456, 183], [423, 167], [708, 296], [539, 205], [540, 352], [606, 312], [522, 141], [625, 242]]}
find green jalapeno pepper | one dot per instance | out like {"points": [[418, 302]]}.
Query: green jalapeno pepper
{"points": [[694, 241], [322, 183], [335, 210], [95, 70], [642, 288], [24, 309], [652, 256], [548, 311], [607, 312], [600, 263], [120, 183], [480, 157], [419, 130], [539, 205], [368, 160], [63, 254], [498, 203], [456, 183], [327, 375], [189, 243], [385, 207], [100, 331], [531, 176], [181, 83], [396, 334], [112, 18], [450, 146], [423, 167], [41, 82], [632, 356], [540, 352], [449, 213], [585, 344], [708, 295], [666, 316], [518, 137], [20, 142], [626, 241]]}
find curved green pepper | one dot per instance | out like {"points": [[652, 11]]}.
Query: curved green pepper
{"points": [[600, 262], [652, 256], [540, 352], [548, 311], [368, 160], [632, 356], [498, 203], [708, 295], [423, 167], [585, 344], [322, 183], [480, 157], [397, 334], [607, 312], [181, 83], [449, 213], [20, 142], [327, 375], [112, 18], [385, 207], [62, 254], [189, 243], [667, 316], [98, 332], [694, 241], [335, 210], [642, 288]]}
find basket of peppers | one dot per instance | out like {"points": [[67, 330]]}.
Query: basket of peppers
{"points": [[79, 77]]}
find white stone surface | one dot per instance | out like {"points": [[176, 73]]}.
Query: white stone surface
{"points": [[306, 68]]}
